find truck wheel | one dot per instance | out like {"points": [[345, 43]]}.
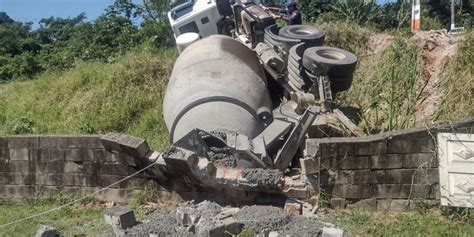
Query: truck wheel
{"points": [[271, 37], [224, 7], [310, 35], [296, 52], [339, 62], [341, 85]]}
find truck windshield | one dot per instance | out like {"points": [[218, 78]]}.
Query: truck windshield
{"points": [[182, 10]]}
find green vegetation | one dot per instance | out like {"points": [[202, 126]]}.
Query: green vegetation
{"points": [[458, 83], [93, 97], [85, 217], [431, 222]]}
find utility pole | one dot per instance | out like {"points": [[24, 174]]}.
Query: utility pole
{"points": [[416, 15]]}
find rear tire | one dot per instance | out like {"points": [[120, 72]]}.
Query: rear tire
{"points": [[339, 62], [310, 35]]}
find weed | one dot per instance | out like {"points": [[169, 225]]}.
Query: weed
{"points": [[22, 125]]}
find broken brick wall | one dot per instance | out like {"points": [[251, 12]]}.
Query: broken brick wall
{"points": [[32, 165], [389, 171]]}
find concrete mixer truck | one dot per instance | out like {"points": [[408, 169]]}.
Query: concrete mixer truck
{"points": [[245, 93]]}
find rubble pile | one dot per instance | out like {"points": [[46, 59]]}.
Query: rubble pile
{"points": [[210, 219]]}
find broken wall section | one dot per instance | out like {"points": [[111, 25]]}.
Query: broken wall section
{"points": [[385, 172], [31, 165]]}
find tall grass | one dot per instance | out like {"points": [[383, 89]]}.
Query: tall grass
{"points": [[125, 96], [457, 83], [388, 90]]}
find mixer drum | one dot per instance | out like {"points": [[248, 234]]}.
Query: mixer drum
{"points": [[217, 83]]}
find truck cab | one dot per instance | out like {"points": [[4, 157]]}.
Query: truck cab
{"points": [[199, 16]]}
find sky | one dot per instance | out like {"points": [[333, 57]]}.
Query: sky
{"points": [[34, 10]]}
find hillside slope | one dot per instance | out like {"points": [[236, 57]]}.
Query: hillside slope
{"points": [[400, 82], [92, 98]]}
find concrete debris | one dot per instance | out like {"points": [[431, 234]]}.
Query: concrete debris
{"points": [[263, 177], [120, 217], [47, 231], [210, 219], [133, 146], [293, 206], [333, 232]]}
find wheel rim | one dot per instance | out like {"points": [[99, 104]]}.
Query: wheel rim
{"points": [[330, 54]]}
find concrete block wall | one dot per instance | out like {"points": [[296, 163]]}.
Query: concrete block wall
{"points": [[384, 172], [30, 165]]}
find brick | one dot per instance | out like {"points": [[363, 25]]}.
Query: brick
{"points": [[110, 141], [23, 141], [67, 142], [127, 159], [104, 156], [16, 191], [3, 143], [354, 162], [337, 149], [420, 160], [309, 166], [420, 191], [71, 167], [73, 155], [351, 191], [50, 179], [15, 178], [19, 153], [389, 161], [399, 176], [370, 148], [54, 167]]}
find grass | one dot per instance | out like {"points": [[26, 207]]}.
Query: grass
{"points": [[83, 218], [125, 96], [457, 83], [431, 222], [388, 89]]}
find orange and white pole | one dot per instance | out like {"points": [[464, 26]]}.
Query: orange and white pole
{"points": [[415, 15]]}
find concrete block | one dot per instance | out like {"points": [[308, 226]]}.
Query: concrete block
{"points": [[338, 203], [116, 169], [73, 154], [370, 148], [365, 204], [47, 231], [22, 166], [225, 227], [344, 177], [51, 180], [312, 148], [389, 161], [387, 191], [337, 149], [403, 145], [300, 193], [351, 191], [14, 178], [3, 143], [4, 154], [427, 144], [120, 217], [293, 206], [54, 167], [23, 141], [328, 162], [397, 205], [86, 154], [19, 154], [309, 166], [71, 167], [106, 180], [383, 205], [105, 156], [16, 191], [424, 160], [354, 162], [126, 159], [134, 146], [363, 177], [110, 141]]}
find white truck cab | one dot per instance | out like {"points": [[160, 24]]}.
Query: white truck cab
{"points": [[198, 16]]}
